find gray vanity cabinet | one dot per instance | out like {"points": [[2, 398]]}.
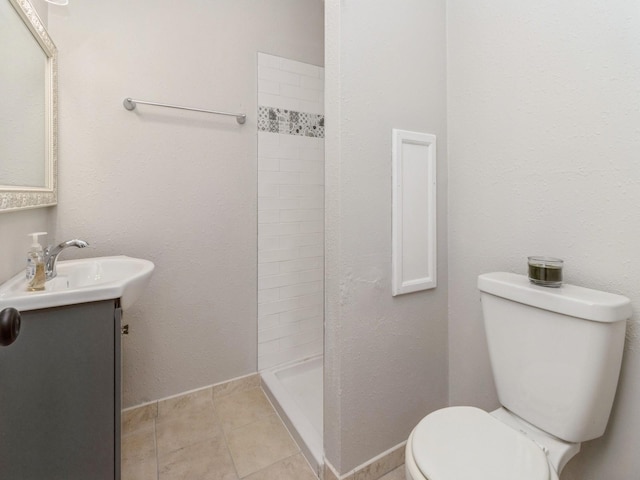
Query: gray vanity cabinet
{"points": [[60, 395]]}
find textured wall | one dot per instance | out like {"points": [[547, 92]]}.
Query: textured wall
{"points": [[178, 188], [385, 357], [14, 243], [543, 159]]}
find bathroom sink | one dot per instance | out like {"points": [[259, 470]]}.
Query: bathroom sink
{"points": [[81, 281]]}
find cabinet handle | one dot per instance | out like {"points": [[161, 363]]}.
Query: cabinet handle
{"points": [[9, 326]]}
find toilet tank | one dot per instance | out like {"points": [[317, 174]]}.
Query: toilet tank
{"points": [[555, 352]]}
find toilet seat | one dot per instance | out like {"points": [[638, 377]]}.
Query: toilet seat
{"points": [[466, 442]]}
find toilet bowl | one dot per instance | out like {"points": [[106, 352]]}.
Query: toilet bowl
{"points": [[555, 356], [466, 442]]}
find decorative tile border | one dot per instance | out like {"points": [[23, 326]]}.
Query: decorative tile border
{"points": [[290, 122]]}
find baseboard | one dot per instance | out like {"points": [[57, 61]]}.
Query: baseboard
{"points": [[373, 469], [134, 417]]}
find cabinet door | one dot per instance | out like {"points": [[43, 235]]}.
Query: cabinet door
{"points": [[58, 396]]}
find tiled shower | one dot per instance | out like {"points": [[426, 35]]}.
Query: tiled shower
{"points": [[290, 210], [291, 243]]}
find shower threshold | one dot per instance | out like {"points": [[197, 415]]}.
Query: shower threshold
{"points": [[296, 392]]}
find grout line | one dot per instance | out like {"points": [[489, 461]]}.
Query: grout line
{"points": [[224, 435], [155, 438]]}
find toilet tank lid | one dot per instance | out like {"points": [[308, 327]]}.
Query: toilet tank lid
{"points": [[567, 299]]}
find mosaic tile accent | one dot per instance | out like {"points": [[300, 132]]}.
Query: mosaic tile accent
{"points": [[289, 122]]}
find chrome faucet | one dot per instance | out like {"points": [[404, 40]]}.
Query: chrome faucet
{"points": [[51, 255]]}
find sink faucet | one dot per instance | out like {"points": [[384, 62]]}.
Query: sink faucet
{"points": [[51, 255]]}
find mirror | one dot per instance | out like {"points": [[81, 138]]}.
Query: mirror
{"points": [[28, 109]]}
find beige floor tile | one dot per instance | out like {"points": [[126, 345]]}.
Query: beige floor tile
{"points": [[179, 431], [139, 417], [236, 386], [208, 460], [328, 473], [147, 470], [243, 408], [260, 444], [292, 468], [397, 474], [198, 400], [139, 446]]}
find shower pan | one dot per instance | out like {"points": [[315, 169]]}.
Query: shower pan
{"points": [[296, 392]]}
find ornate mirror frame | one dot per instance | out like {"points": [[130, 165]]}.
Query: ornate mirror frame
{"points": [[22, 197]]}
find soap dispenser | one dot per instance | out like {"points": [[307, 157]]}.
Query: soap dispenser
{"points": [[35, 265]]}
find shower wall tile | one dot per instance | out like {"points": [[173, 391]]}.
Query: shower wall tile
{"points": [[312, 82], [311, 251], [278, 76], [268, 322], [314, 263], [286, 305], [292, 228], [268, 86], [267, 216], [299, 290], [293, 316], [278, 255], [290, 210], [307, 203], [268, 295], [315, 178], [278, 178], [273, 281], [311, 275], [304, 215], [265, 269], [300, 166], [308, 227], [273, 359], [268, 164], [303, 69], [298, 191]]}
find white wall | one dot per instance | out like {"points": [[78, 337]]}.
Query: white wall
{"points": [[290, 210], [543, 159], [385, 357], [14, 226], [178, 188]]}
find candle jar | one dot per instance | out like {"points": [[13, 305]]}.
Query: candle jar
{"points": [[545, 271]]}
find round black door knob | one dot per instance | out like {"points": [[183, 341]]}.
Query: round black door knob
{"points": [[9, 326]]}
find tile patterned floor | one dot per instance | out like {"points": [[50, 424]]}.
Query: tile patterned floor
{"points": [[397, 474], [202, 436]]}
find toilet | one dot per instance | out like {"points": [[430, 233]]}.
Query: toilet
{"points": [[555, 355]]}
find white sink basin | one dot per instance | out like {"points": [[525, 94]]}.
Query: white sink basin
{"points": [[80, 281]]}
